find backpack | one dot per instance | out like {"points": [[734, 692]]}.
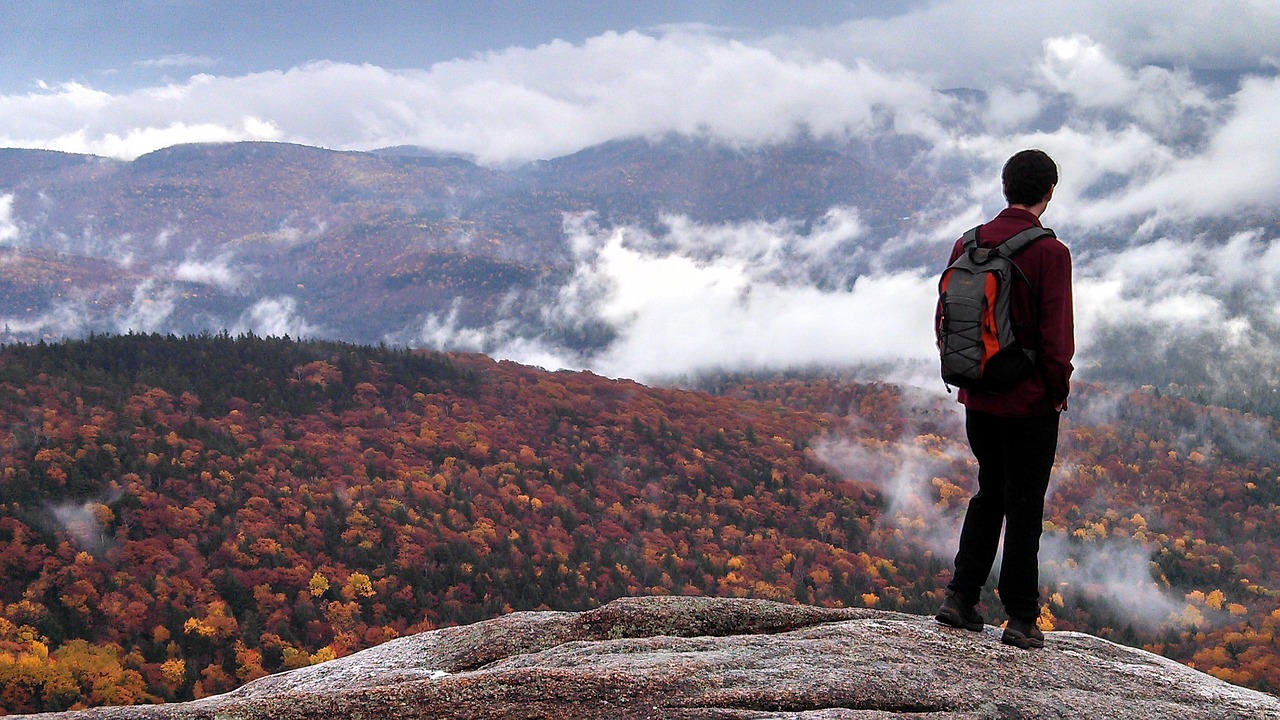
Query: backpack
{"points": [[974, 324]]}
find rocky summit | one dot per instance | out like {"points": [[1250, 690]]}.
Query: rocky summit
{"points": [[684, 657]]}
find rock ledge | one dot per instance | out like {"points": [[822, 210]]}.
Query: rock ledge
{"points": [[708, 658]]}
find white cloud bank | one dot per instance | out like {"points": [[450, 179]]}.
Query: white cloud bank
{"points": [[512, 106], [699, 297], [977, 43], [682, 80], [741, 296], [733, 296], [1130, 106]]}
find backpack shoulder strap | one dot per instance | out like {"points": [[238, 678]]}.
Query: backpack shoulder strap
{"points": [[971, 250], [1011, 246]]}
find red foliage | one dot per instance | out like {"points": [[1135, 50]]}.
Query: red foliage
{"points": [[191, 544]]}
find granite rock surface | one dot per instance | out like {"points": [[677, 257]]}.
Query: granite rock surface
{"points": [[709, 658]]}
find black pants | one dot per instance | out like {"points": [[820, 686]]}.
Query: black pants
{"points": [[1015, 457]]}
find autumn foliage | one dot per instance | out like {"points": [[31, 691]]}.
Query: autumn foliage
{"points": [[179, 516]]}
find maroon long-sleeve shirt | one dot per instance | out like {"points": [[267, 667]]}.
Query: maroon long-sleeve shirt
{"points": [[1043, 319]]}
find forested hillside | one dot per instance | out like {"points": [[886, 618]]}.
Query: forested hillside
{"points": [[181, 515]]}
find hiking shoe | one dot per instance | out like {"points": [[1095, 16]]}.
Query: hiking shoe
{"points": [[1023, 634], [959, 614]]}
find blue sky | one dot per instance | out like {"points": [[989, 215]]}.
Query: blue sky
{"points": [[123, 45]]}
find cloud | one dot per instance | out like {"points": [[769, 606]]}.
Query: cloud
{"points": [[1200, 311], [150, 307], [699, 297], [515, 105], [1237, 170], [992, 42], [82, 521], [67, 318], [217, 271], [1114, 572], [141, 140], [1157, 283], [444, 332], [1083, 69], [8, 228], [275, 317], [909, 474], [1153, 162], [176, 60], [720, 319]]}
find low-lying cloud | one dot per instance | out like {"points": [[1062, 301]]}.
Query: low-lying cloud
{"points": [[66, 318], [84, 522], [275, 317], [219, 272], [1115, 572], [912, 475], [8, 228], [150, 308], [738, 296], [743, 296], [908, 473], [697, 297]]}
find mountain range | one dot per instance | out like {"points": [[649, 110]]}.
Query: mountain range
{"points": [[362, 247]]}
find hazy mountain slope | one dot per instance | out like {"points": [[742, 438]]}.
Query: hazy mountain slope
{"points": [[365, 246], [636, 181], [210, 195], [22, 166]]}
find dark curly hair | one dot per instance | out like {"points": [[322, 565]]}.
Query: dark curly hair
{"points": [[1028, 176]]}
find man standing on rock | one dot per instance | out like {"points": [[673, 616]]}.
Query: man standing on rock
{"points": [[1013, 433]]}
